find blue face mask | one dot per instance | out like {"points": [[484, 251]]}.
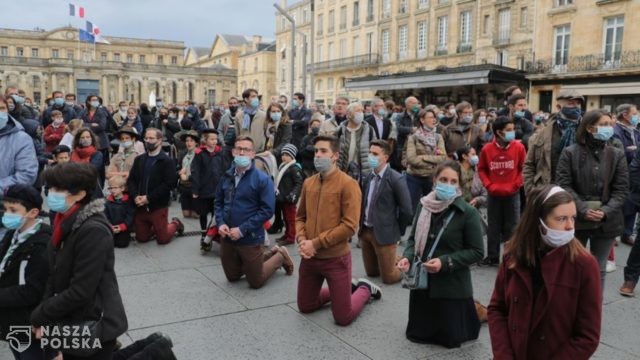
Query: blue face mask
{"points": [[572, 113], [242, 161], [604, 133], [18, 99], [57, 202], [382, 112], [255, 103], [415, 109], [445, 192], [374, 162], [95, 104], [509, 136], [276, 116], [440, 116], [474, 160], [4, 119], [634, 120], [295, 103], [12, 221], [519, 114], [58, 101]]}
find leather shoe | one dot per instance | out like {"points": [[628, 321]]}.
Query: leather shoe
{"points": [[627, 289]]}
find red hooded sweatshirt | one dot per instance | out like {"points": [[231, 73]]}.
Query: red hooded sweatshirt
{"points": [[500, 168]]}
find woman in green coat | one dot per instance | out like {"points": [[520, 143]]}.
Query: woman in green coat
{"points": [[445, 313]]}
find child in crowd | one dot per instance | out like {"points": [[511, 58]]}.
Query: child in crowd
{"points": [[71, 130], [288, 186], [54, 132], [119, 211], [61, 154]]}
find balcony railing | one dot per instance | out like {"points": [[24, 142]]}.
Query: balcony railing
{"points": [[464, 48], [345, 63], [356, 22], [370, 18], [440, 52], [331, 30], [501, 41], [587, 63]]}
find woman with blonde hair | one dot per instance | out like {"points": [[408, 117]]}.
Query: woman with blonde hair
{"points": [[71, 130]]}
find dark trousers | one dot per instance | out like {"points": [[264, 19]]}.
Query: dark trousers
{"points": [[205, 207], [289, 212], [34, 352], [106, 353], [187, 202], [238, 260], [122, 239], [419, 186], [148, 223], [600, 246], [632, 270], [278, 222], [149, 348], [503, 214], [630, 209]]}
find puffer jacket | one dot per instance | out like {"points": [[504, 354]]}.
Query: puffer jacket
{"points": [[290, 184], [596, 174], [18, 161], [455, 138], [420, 160]]}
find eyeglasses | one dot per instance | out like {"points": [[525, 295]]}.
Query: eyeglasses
{"points": [[242, 150]]}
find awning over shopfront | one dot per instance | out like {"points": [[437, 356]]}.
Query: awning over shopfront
{"points": [[441, 77]]}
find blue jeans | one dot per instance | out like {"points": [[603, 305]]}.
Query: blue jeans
{"points": [[503, 214], [419, 186]]}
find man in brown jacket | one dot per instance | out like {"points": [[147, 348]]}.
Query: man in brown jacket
{"points": [[323, 238]]}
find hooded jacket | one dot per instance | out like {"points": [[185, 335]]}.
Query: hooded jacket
{"points": [[18, 162], [500, 168]]}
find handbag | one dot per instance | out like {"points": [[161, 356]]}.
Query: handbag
{"points": [[417, 278]]}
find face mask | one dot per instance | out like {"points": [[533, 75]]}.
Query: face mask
{"points": [[634, 120], [374, 162], [12, 221], [12, 107], [4, 118], [150, 147], [57, 122], [539, 119], [57, 202], [233, 109], [226, 111], [466, 119], [482, 120], [95, 104], [556, 238], [358, 118], [571, 112], [255, 103], [452, 111], [242, 161], [276, 116], [295, 103], [127, 144], [58, 101], [604, 133], [415, 109], [394, 116], [322, 165], [440, 116], [445, 192], [70, 103], [474, 160], [509, 136], [382, 112], [18, 99], [315, 131], [164, 116], [159, 104], [172, 117], [519, 114], [123, 109], [85, 142]]}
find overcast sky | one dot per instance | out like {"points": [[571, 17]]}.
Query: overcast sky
{"points": [[193, 21]]}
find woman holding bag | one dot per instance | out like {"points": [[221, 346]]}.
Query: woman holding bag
{"points": [[444, 313]]}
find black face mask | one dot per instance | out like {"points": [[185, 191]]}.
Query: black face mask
{"points": [[315, 131], [150, 147], [233, 109], [163, 116]]}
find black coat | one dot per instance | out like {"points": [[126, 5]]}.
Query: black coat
{"points": [[282, 137], [28, 261], [161, 180], [120, 212], [306, 153], [206, 171], [300, 119], [101, 119], [290, 185], [386, 126], [82, 282]]}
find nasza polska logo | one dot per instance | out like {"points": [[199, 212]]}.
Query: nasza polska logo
{"points": [[19, 338], [61, 337]]}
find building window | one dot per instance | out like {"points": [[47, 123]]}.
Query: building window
{"points": [[36, 81], [504, 25], [524, 17], [486, 24], [320, 24], [343, 48], [55, 53], [330, 51], [116, 57], [503, 58], [319, 85], [558, 3], [356, 13], [343, 17], [330, 84], [402, 42], [332, 21], [160, 60], [20, 51], [385, 45], [142, 59], [386, 9], [319, 53], [369, 48], [562, 37], [305, 16], [422, 39], [283, 75], [103, 56], [443, 23], [369, 10], [520, 60], [423, 4], [356, 46], [255, 65], [70, 54], [4, 51], [465, 28], [129, 58], [174, 60], [35, 52], [402, 7], [612, 38]]}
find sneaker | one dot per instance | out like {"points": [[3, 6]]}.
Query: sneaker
{"points": [[611, 266], [376, 292], [204, 247], [288, 262], [274, 230], [179, 224], [627, 289], [489, 262]]}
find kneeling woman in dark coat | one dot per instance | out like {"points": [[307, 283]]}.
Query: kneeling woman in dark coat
{"points": [[445, 313], [82, 286]]}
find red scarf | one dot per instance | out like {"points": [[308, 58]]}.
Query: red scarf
{"points": [[83, 154], [56, 239]]}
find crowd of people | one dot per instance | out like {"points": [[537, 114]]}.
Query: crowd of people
{"points": [[557, 190]]}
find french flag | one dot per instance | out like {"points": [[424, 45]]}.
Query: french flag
{"points": [[77, 11], [92, 29]]}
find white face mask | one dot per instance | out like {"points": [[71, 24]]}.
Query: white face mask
{"points": [[556, 238]]}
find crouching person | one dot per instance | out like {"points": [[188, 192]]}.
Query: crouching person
{"points": [[244, 201], [23, 267]]}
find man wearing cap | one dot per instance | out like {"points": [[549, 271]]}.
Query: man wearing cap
{"points": [[23, 263], [122, 162], [546, 145]]}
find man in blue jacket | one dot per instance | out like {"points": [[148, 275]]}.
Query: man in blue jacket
{"points": [[244, 201]]}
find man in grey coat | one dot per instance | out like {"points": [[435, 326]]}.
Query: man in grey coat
{"points": [[386, 211]]}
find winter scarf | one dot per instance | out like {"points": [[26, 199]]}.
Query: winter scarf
{"points": [[248, 113], [83, 154], [430, 205]]}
